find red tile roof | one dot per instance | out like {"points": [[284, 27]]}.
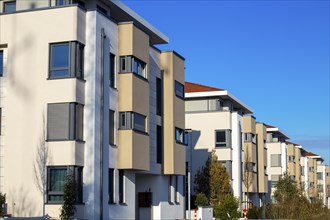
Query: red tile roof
{"points": [[311, 154], [193, 87], [269, 126]]}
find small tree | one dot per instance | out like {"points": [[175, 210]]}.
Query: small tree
{"points": [[219, 180], [201, 200], [70, 193]]}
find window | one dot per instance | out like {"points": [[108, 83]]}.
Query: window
{"points": [[66, 60], [179, 90], [1, 63], [177, 194], [302, 170], [250, 167], [311, 169], [112, 70], [293, 178], [64, 121], [130, 64], [291, 158], [159, 144], [249, 137], [159, 96], [62, 2], [56, 178], [222, 138], [275, 160], [320, 188], [111, 185], [132, 120], [275, 179], [121, 186], [9, 6], [319, 176], [111, 127], [180, 136], [228, 165], [328, 173], [311, 184]]}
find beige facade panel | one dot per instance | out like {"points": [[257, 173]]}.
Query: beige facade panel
{"points": [[250, 152], [133, 41], [133, 94], [74, 153], [327, 180], [249, 124], [291, 169], [291, 149], [173, 70], [65, 90], [250, 182], [133, 150], [262, 157]]}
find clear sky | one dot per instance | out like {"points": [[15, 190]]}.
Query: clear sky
{"points": [[272, 55]]}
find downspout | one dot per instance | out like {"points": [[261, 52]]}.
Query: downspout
{"points": [[101, 121]]}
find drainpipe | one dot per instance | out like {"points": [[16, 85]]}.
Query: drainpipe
{"points": [[101, 121]]}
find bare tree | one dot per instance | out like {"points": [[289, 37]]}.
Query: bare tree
{"points": [[40, 165], [247, 173]]}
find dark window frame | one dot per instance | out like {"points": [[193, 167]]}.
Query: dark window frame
{"points": [[127, 121], [179, 89], [227, 142], [180, 136], [2, 62], [131, 64], [112, 116], [75, 66], [111, 185], [112, 70], [77, 172], [5, 5], [121, 185], [75, 124]]}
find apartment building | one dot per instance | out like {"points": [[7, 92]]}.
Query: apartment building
{"points": [[83, 83], [327, 184], [277, 159], [294, 167], [255, 177], [321, 180], [215, 118]]}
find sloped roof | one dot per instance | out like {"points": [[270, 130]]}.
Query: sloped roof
{"points": [[269, 126], [311, 154], [194, 87], [288, 142]]}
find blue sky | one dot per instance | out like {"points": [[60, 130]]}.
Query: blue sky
{"points": [[272, 55]]}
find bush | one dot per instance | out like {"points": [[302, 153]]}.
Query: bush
{"points": [[68, 209], [254, 213], [201, 200], [228, 205], [2, 203]]}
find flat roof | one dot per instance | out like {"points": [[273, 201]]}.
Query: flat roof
{"points": [[122, 13]]}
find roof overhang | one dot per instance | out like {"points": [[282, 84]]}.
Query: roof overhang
{"points": [[277, 130], [222, 94], [121, 13]]}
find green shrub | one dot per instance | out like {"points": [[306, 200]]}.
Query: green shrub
{"points": [[201, 200]]}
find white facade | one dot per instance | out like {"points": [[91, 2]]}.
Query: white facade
{"points": [[204, 125], [26, 91]]}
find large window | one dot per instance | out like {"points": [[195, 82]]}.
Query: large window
{"points": [[64, 121], [291, 158], [222, 138], [66, 60], [250, 167], [9, 6], [56, 178], [275, 160], [319, 176], [130, 64], [132, 120], [179, 90], [228, 165], [180, 136], [111, 185], [111, 127], [112, 70], [1, 63]]}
